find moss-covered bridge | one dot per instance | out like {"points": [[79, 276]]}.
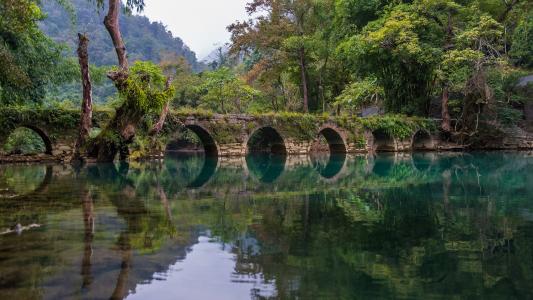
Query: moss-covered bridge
{"points": [[237, 135]]}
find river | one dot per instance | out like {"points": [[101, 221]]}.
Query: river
{"points": [[409, 226]]}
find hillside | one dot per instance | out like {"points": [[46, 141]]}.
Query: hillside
{"points": [[145, 40]]}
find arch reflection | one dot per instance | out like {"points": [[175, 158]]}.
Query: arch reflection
{"points": [[383, 164], [328, 166], [18, 181], [266, 167], [423, 161], [198, 166]]}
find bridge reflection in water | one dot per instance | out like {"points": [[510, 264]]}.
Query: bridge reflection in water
{"points": [[271, 226]]}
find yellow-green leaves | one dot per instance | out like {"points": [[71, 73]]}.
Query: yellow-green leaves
{"points": [[144, 90], [484, 34], [360, 93], [397, 34]]}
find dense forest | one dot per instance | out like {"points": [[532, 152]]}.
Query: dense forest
{"points": [[463, 61]]}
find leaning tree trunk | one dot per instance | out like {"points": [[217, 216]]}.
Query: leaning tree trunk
{"points": [[87, 103], [304, 80], [112, 25]]}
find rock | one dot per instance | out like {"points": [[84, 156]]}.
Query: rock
{"points": [[65, 148]]}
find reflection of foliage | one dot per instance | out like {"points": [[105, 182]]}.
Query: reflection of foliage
{"points": [[458, 227]]}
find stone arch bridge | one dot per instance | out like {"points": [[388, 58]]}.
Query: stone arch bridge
{"points": [[238, 135]]}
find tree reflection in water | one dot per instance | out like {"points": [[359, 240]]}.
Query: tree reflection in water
{"points": [[445, 225]]}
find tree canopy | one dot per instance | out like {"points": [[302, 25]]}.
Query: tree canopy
{"points": [[30, 60]]}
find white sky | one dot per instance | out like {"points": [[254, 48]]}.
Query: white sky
{"points": [[200, 23]]}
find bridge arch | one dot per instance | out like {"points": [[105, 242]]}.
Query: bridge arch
{"points": [[336, 141], [209, 144], [422, 141], [266, 139], [383, 141], [48, 146]]}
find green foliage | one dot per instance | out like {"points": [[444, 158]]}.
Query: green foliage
{"points": [[29, 59], [223, 92], [398, 52], [397, 126], [507, 97], [522, 48], [415, 51], [359, 94], [457, 67], [144, 91]]}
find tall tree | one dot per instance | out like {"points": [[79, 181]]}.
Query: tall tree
{"points": [[142, 90], [283, 37], [87, 101]]}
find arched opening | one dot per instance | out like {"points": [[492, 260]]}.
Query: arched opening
{"points": [[27, 140], [383, 142], [328, 153], [193, 154], [422, 141], [266, 140], [266, 154], [193, 139], [331, 138]]}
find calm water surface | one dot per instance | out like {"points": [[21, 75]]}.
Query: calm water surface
{"points": [[389, 226]]}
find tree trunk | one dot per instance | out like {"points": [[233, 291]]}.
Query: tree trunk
{"points": [[123, 124], [164, 201], [304, 80], [112, 26], [87, 103], [446, 120]]}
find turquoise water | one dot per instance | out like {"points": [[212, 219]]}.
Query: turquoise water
{"points": [[344, 227]]}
